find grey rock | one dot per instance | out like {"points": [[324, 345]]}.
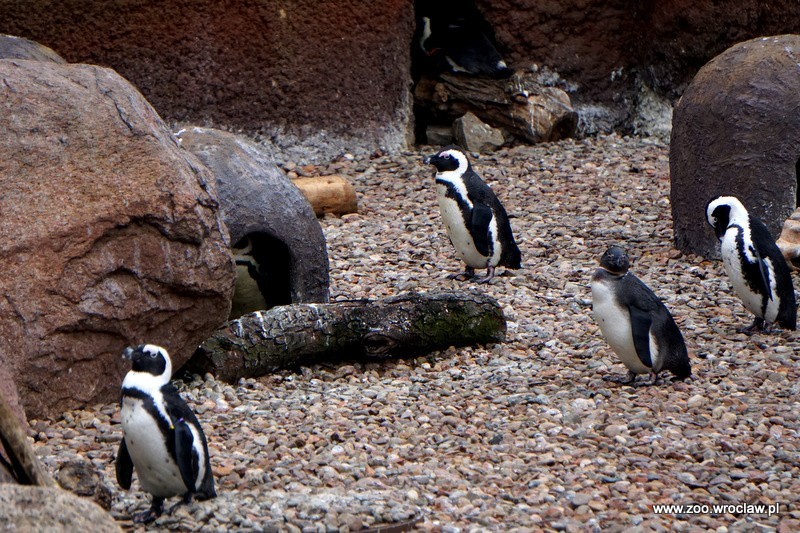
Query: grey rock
{"points": [[439, 135], [12, 47], [260, 202], [724, 139], [475, 135], [27, 508]]}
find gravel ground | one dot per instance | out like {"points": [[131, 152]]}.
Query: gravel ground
{"points": [[526, 435]]}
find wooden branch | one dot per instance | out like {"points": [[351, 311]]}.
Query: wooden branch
{"points": [[329, 194], [519, 104], [23, 462], [293, 335]]}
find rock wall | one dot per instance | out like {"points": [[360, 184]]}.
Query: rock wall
{"points": [[323, 77], [608, 50], [336, 72]]}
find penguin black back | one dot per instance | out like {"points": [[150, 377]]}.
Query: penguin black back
{"points": [[476, 221], [635, 321]]}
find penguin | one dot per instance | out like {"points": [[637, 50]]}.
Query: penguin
{"points": [[635, 322], [476, 221], [455, 37], [162, 438], [754, 264], [248, 295], [262, 274]]}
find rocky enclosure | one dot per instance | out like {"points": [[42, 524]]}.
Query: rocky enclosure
{"points": [[525, 434]]}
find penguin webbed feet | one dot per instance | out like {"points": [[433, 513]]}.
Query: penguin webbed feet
{"points": [[145, 517], [468, 273], [759, 325], [187, 499], [628, 379], [488, 277]]}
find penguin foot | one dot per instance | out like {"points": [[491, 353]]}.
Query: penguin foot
{"points": [[488, 277], [629, 379], [757, 326], [187, 499], [468, 273], [151, 514]]}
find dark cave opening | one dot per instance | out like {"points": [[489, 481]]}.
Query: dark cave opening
{"points": [[264, 267]]}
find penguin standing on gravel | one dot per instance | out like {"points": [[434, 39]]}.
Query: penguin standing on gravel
{"points": [[476, 221], [635, 322], [162, 438], [754, 264]]}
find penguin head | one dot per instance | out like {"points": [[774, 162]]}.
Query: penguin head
{"points": [[149, 359], [450, 158], [724, 211], [615, 260]]}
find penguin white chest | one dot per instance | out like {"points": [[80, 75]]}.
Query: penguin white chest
{"points": [[156, 469], [460, 235], [615, 325], [732, 262]]}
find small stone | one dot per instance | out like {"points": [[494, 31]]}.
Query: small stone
{"points": [[698, 400]]}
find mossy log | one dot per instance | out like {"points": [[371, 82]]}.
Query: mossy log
{"points": [[519, 105], [292, 335], [20, 460]]}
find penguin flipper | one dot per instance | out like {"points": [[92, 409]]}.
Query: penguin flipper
{"points": [[640, 328], [124, 466], [184, 453], [481, 218], [762, 269]]}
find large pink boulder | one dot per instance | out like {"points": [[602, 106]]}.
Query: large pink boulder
{"points": [[110, 235]]}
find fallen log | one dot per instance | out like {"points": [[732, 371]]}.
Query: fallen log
{"points": [[328, 194], [20, 460], [520, 105], [300, 334]]}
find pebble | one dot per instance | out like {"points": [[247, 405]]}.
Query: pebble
{"points": [[527, 435]]}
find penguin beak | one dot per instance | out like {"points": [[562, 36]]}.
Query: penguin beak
{"points": [[428, 159], [127, 353]]}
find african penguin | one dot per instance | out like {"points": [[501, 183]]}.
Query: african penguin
{"points": [[635, 322], [476, 221], [454, 36], [248, 295], [162, 438], [754, 264]]}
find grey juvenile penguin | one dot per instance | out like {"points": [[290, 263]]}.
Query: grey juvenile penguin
{"points": [[162, 439], [635, 322], [476, 221], [754, 264]]}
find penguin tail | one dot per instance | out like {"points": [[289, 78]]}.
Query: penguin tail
{"points": [[207, 490], [513, 259], [682, 369], [788, 319]]}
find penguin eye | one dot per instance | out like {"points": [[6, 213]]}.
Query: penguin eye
{"points": [[153, 354]]}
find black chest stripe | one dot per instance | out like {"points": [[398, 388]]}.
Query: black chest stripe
{"points": [[463, 206], [756, 275], [164, 425]]}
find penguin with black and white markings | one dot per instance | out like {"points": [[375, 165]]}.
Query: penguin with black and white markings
{"points": [[476, 221], [162, 438], [754, 264], [454, 36], [251, 283], [635, 322]]}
